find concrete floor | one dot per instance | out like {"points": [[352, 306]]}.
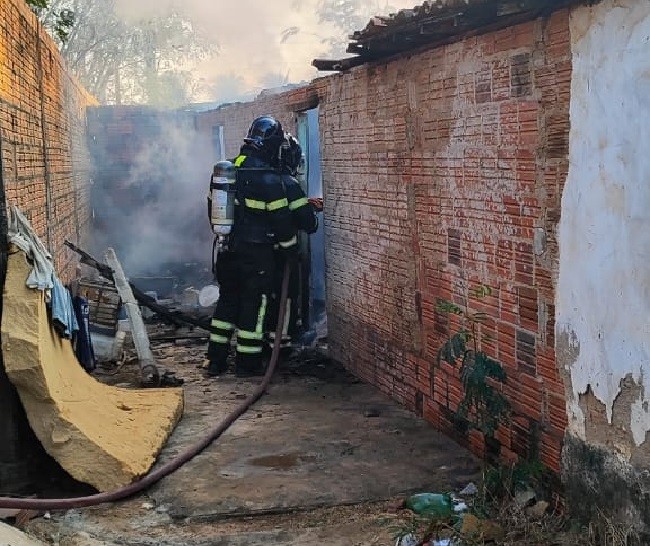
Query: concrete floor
{"points": [[319, 460]]}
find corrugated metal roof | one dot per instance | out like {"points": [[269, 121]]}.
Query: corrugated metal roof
{"points": [[434, 22]]}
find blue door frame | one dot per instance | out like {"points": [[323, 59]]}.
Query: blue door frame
{"points": [[314, 271]]}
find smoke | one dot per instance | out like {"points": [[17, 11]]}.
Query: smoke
{"points": [[155, 213], [258, 37]]}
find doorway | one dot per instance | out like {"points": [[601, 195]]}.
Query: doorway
{"points": [[313, 247]]}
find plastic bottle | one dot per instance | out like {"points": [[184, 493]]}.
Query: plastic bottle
{"points": [[431, 504]]}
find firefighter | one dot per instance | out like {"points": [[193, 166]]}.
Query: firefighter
{"points": [[304, 219], [262, 220]]}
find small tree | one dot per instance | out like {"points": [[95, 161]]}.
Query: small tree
{"points": [[483, 406]]}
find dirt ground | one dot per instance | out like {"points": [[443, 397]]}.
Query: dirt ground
{"points": [[321, 459]]}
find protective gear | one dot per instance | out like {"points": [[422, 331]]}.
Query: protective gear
{"points": [[265, 133], [304, 219], [302, 212], [221, 200], [292, 159], [245, 271], [245, 280], [262, 214], [291, 326]]}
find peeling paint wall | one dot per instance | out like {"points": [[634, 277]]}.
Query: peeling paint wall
{"points": [[603, 295]]}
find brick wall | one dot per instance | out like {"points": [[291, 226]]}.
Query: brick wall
{"points": [[236, 118], [45, 164], [458, 156], [45, 171], [444, 169]]}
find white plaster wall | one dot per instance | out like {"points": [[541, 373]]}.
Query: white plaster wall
{"points": [[603, 294]]}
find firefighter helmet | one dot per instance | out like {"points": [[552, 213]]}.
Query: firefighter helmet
{"points": [[265, 133], [291, 155]]}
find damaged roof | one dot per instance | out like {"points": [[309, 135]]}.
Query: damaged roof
{"points": [[435, 22]]}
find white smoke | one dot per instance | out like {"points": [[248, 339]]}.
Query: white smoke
{"points": [[262, 43], [157, 214]]}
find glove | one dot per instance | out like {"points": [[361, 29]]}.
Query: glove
{"points": [[317, 203]]}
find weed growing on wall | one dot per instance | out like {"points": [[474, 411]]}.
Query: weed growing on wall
{"points": [[483, 406]]}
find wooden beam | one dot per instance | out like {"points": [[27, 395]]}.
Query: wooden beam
{"points": [[148, 369]]}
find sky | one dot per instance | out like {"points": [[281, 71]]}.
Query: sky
{"points": [[252, 54]]}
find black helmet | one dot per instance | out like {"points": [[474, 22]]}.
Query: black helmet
{"points": [[265, 133], [291, 155]]}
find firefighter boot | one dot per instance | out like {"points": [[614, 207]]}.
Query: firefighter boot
{"points": [[218, 356], [249, 365]]}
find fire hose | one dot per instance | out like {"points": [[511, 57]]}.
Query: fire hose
{"points": [[179, 460]]}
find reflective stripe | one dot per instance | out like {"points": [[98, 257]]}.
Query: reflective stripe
{"points": [[243, 334], [240, 159], [298, 203], [278, 204], [249, 350], [254, 204], [260, 316], [222, 325], [290, 242], [216, 338]]}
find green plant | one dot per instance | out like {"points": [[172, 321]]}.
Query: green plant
{"points": [[503, 481], [483, 406]]}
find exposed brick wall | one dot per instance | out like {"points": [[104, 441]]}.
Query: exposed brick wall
{"points": [[458, 156], [45, 171], [45, 164], [236, 118], [442, 170]]}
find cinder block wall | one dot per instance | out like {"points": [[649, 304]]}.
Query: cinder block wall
{"points": [[45, 163], [444, 169]]}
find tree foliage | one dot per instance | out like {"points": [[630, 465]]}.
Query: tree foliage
{"points": [[61, 21], [126, 62]]}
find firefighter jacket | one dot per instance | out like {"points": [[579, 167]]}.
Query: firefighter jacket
{"points": [[302, 213], [262, 213]]}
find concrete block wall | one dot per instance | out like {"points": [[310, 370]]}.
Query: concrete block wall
{"points": [[45, 163], [443, 169]]}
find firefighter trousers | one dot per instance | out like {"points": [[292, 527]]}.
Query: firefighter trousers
{"points": [[245, 278]]}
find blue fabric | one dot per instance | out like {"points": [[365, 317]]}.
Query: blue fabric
{"points": [[63, 314], [83, 341]]}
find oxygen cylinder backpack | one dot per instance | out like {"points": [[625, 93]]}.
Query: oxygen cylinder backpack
{"points": [[221, 200], [221, 206]]}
